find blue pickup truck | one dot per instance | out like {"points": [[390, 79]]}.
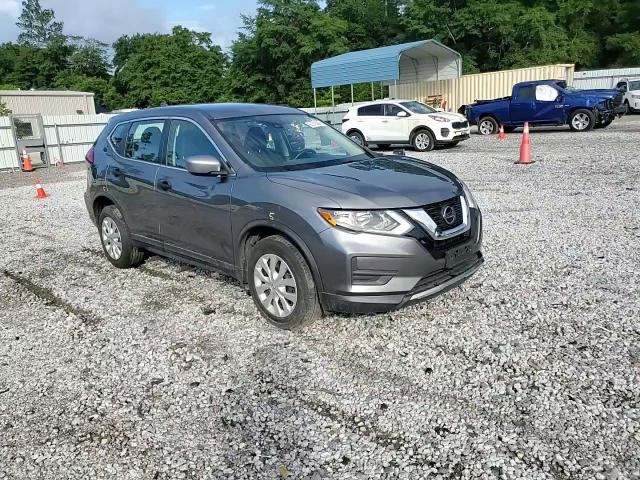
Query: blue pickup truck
{"points": [[546, 102]]}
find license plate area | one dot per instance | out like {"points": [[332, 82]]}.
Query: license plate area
{"points": [[458, 255]]}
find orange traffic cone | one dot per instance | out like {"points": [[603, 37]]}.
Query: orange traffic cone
{"points": [[40, 193], [501, 134], [525, 147], [26, 161]]}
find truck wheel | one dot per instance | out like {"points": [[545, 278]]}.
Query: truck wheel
{"points": [[281, 283], [487, 126], [582, 120], [423, 141]]}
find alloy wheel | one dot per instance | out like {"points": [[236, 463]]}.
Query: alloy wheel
{"points": [[580, 121], [275, 285], [486, 127], [422, 141], [111, 238]]}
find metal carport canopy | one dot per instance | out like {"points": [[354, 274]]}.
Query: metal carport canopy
{"points": [[421, 60]]}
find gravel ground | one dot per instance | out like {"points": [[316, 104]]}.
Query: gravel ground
{"points": [[530, 370]]}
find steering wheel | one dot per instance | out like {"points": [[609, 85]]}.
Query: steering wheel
{"points": [[312, 153]]}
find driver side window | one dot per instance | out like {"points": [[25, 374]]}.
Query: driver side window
{"points": [[187, 140], [546, 93]]}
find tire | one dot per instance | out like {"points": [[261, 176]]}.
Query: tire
{"points": [[487, 126], [280, 256], [116, 239], [357, 137], [582, 120], [603, 124], [423, 141], [384, 146]]}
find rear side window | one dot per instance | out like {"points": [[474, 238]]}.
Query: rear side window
{"points": [[118, 137], [187, 140], [527, 93], [371, 110], [143, 140]]}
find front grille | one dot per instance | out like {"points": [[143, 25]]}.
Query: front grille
{"points": [[459, 125], [435, 212]]}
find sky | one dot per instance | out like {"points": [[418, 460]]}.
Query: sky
{"points": [[106, 20]]}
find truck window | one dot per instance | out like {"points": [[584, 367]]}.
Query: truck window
{"points": [[526, 93], [546, 93]]}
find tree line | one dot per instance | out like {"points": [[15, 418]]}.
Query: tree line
{"points": [[270, 59]]}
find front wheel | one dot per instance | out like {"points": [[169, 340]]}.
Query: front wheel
{"points": [[487, 126], [582, 120], [281, 283], [604, 124], [423, 141]]}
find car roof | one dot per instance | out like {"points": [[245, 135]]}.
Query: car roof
{"points": [[212, 110]]}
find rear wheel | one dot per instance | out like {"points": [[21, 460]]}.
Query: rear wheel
{"points": [[423, 141], [116, 239], [281, 283], [582, 120], [487, 126], [357, 137]]}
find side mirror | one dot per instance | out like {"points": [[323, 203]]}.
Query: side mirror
{"points": [[203, 165], [401, 114]]}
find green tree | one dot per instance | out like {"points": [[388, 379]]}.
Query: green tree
{"points": [[273, 56], [90, 57], [4, 110], [183, 67], [38, 25], [105, 95]]}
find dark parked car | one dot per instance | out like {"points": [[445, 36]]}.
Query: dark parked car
{"points": [[547, 102], [306, 218]]}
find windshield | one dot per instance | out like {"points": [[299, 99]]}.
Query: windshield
{"points": [[635, 85], [288, 142], [417, 107]]}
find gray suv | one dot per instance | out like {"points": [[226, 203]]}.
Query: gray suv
{"points": [[306, 218]]}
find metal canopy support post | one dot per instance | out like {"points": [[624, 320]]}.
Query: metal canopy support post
{"points": [[352, 94], [373, 96], [315, 102], [395, 89], [381, 90], [333, 106]]}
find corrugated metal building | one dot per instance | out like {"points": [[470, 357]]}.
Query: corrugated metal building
{"points": [[48, 102], [603, 78]]}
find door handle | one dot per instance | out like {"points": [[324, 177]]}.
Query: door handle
{"points": [[164, 185], [384, 121]]}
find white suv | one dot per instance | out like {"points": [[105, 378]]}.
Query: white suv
{"points": [[387, 122], [630, 87]]}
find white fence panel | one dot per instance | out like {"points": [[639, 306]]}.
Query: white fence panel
{"points": [[8, 158], [68, 137]]}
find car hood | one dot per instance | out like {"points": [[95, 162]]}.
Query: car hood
{"points": [[376, 183], [598, 92], [453, 117]]}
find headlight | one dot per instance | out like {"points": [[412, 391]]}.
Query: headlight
{"points": [[467, 193], [368, 221], [438, 118]]}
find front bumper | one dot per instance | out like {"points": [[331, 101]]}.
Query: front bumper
{"points": [[364, 273], [449, 135]]}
